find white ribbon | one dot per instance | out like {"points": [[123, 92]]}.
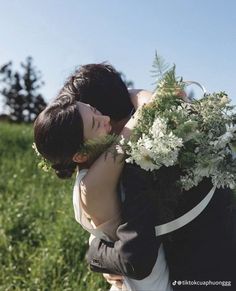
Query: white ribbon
{"points": [[196, 83], [186, 218]]}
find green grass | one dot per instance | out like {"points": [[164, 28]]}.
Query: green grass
{"points": [[42, 247]]}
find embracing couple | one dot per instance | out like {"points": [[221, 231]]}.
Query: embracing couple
{"points": [[121, 205]]}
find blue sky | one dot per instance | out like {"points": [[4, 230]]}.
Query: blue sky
{"points": [[199, 36]]}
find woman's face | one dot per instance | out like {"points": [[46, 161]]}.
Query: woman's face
{"points": [[95, 124]]}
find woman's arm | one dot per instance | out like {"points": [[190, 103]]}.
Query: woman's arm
{"points": [[136, 232], [99, 186], [140, 97]]}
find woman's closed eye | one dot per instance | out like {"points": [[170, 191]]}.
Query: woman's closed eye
{"points": [[93, 119], [98, 124], [95, 123]]}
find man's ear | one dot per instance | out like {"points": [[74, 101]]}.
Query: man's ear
{"points": [[80, 158]]}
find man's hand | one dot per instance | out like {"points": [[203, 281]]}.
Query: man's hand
{"points": [[115, 280]]}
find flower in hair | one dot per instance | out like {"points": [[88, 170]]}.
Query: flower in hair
{"points": [[43, 164]]}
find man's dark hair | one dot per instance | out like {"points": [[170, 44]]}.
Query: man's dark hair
{"points": [[101, 86]]}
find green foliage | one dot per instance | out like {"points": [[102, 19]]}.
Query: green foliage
{"points": [[41, 245], [160, 67], [148, 114], [95, 147], [167, 95]]}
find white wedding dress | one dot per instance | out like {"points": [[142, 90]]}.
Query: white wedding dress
{"points": [[158, 280]]}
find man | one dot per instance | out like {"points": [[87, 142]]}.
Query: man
{"points": [[202, 251]]}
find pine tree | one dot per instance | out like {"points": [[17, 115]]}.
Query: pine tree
{"points": [[20, 91]]}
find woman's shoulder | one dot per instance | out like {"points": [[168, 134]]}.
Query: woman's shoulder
{"points": [[80, 175], [80, 214]]}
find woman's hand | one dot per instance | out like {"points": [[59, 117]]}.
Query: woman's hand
{"points": [[140, 97], [116, 280]]}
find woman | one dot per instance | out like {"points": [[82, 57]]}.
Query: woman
{"points": [[60, 130]]}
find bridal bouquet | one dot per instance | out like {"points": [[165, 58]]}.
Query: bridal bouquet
{"points": [[197, 135]]}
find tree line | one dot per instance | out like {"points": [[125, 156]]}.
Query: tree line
{"points": [[21, 91]]}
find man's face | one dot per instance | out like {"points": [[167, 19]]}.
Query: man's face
{"points": [[95, 124]]}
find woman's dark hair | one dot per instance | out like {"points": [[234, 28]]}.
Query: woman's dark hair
{"points": [[101, 86], [58, 130], [58, 134]]}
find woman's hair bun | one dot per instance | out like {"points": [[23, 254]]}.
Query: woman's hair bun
{"points": [[64, 171]]}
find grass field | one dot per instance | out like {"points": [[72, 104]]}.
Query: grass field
{"points": [[41, 245]]}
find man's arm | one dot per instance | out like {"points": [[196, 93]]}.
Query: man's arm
{"points": [[139, 97], [135, 252]]}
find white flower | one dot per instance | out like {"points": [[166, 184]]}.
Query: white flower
{"points": [[223, 179], [225, 138], [146, 163], [166, 149], [35, 149], [160, 149], [141, 153], [122, 140], [224, 100], [158, 128], [119, 149], [230, 128]]}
